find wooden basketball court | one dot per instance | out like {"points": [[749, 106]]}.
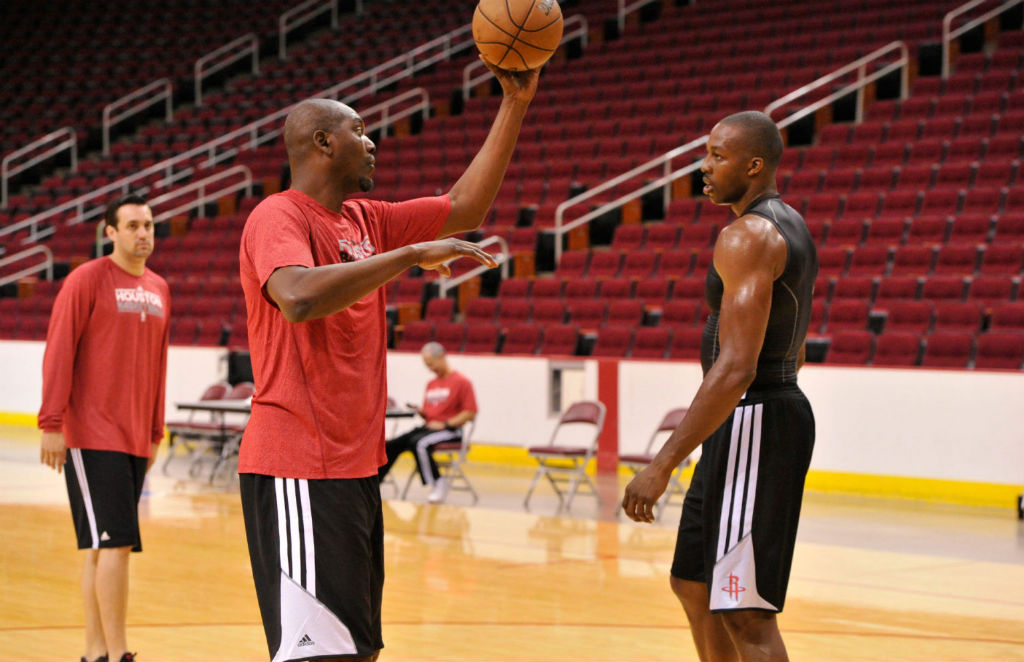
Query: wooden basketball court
{"points": [[872, 579]]}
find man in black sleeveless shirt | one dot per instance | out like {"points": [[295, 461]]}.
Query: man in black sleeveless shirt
{"points": [[738, 528]]}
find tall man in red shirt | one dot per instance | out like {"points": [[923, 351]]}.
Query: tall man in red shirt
{"points": [[448, 404], [312, 266], [107, 423]]}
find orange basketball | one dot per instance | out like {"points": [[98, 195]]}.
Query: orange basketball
{"points": [[517, 34]]}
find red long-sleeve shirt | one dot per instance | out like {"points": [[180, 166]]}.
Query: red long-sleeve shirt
{"points": [[105, 364]]}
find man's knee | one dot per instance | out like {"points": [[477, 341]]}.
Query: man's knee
{"points": [[750, 625], [693, 595]]}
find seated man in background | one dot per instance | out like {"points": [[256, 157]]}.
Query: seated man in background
{"points": [[448, 404]]}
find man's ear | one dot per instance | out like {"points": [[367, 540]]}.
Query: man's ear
{"points": [[321, 140], [756, 166], [110, 231]]}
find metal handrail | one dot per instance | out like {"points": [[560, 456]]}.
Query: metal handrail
{"points": [[164, 91], [668, 176], [250, 46], [446, 282], [205, 196], [665, 160], [254, 132], [625, 10], [68, 140], [384, 108], [575, 26], [948, 35], [46, 264], [315, 8], [863, 79], [90, 205]]}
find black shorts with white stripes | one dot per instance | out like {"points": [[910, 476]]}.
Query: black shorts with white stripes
{"points": [[104, 488], [741, 511], [317, 553]]}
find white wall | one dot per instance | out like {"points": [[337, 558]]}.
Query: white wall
{"points": [[953, 425]]}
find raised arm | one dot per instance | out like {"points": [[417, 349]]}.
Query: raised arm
{"points": [[749, 255], [474, 192], [309, 293]]}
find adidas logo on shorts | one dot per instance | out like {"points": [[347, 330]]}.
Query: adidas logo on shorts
{"points": [[105, 536], [306, 641]]}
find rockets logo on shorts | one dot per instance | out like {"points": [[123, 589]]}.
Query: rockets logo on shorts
{"points": [[351, 252], [138, 300]]}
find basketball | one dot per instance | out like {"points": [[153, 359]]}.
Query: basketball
{"points": [[517, 34]]}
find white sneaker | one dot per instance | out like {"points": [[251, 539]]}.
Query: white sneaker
{"points": [[439, 492]]}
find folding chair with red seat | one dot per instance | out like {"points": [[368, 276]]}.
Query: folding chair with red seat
{"points": [[944, 288], [572, 264], [449, 457], [182, 432], [564, 459], [636, 462]]}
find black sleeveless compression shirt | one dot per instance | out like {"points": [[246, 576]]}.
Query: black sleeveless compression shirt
{"points": [[791, 299]]}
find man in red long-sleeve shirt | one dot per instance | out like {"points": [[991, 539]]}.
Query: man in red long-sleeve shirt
{"points": [[106, 424]]}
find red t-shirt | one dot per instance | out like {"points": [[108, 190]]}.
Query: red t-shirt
{"points": [[321, 385], [447, 396], [105, 364]]}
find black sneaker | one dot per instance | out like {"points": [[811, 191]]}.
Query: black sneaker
{"points": [[128, 657], [101, 658]]}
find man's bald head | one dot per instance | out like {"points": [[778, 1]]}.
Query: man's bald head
{"points": [[306, 119], [760, 135]]}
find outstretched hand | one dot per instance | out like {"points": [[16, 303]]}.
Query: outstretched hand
{"points": [[435, 254], [642, 494], [516, 85]]}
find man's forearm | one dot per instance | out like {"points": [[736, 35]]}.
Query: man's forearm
{"points": [[312, 293]]}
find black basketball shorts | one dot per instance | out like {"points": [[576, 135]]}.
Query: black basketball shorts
{"points": [[104, 488], [739, 522], [317, 553]]}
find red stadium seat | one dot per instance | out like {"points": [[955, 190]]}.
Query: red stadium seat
{"points": [[850, 347]]}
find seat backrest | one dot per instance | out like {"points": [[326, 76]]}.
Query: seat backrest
{"points": [[241, 391], [216, 391], [669, 422], [584, 412]]}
